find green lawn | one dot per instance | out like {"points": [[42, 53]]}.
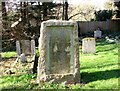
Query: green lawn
{"points": [[98, 71]]}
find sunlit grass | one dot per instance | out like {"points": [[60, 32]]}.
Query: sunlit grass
{"points": [[103, 84], [14, 54], [8, 54]]}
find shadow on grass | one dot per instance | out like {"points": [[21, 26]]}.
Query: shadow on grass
{"points": [[100, 75], [98, 66], [105, 50], [103, 42]]}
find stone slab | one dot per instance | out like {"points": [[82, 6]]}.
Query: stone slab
{"points": [[59, 52]]}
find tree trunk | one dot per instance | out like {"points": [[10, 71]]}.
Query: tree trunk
{"points": [[35, 64], [65, 10], [0, 31], [44, 10], [4, 15], [23, 11]]}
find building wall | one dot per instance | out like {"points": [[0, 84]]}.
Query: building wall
{"points": [[90, 26]]}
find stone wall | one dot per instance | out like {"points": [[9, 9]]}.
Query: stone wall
{"points": [[106, 26]]}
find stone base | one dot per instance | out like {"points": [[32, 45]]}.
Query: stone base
{"points": [[59, 78]]}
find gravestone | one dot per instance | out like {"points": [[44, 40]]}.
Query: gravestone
{"points": [[25, 46], [33, 52], [59, 52], [88, 45], [18, 48], [97, 34]]}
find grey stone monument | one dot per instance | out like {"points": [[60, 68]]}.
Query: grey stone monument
{"points": [[18, 50], [26, 46], [98, 33], [88, 45], [33, 52], [59, 52]]}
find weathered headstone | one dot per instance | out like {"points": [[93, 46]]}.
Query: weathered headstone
{"points": [[18, 50], [26, 46], [88, 45], [33, 52], [59, 52], [97, 34]]}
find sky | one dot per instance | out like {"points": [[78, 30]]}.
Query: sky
{"points": [[98, 3]]}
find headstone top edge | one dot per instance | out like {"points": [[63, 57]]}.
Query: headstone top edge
{"points": [[59, 22], [88, 38]]}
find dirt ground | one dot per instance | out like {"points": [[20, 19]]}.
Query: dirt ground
{"points": [[6, 67]]}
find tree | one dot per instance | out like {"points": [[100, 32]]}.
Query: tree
{"points": [[83, 12], [65, 10], [117, 9], [103, 15], [0, 31], [108, 5], [21, 20]]}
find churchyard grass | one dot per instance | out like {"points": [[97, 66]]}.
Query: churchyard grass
{"points": [[8, 54], [13, 54], [98, 71]]}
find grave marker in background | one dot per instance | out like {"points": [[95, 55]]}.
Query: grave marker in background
{"points": [[26, 46], [59, 52], [25, 49], [88, 45], [97, 34], [18, 50]]}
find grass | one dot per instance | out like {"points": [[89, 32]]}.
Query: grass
{"points": [[8, 54], [13, 54], [98, 71]]}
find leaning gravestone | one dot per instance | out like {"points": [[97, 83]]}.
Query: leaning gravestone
{"points": [[88, 45], [59, 52]]}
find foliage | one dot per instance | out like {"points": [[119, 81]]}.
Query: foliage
{"points": [[81, 12], [103, 15], [117, 9], [98, 71], [22, 20], [108, 5]]}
